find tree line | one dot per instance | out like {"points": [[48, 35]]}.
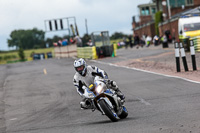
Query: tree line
{"points": [[35, 38]]}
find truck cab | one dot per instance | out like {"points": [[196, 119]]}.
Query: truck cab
{"points": [[189, 27]]}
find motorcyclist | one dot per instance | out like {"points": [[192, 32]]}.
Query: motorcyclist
{"points": [[85, 75]]}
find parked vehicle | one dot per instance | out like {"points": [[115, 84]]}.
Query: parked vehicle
{"points": [[189, 26]]}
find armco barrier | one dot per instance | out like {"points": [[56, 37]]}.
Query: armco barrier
{"points": [[87, 52]]}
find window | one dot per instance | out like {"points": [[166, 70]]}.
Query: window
{"points": [[147, 11], [176, 3], [189, 2], [192, 27], [179, 3], [143, 11], [153, 10]]}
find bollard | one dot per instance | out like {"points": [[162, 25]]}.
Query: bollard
{"points": [[192, 52], [183, 57], [177, 55]]}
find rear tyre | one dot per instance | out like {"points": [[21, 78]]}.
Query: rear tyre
{"points": [[124, 113], [108, 112]]}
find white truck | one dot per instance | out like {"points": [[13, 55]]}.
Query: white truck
{"points": [[189, 27]]}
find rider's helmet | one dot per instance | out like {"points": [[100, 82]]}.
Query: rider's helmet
{"points": [[80, 66]]}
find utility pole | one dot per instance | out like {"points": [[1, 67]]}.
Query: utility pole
{"points": [[157, 5], [169, 14], [169, 9], [86, 26]]}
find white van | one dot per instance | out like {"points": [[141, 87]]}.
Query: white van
{"points": [[189, 27]]}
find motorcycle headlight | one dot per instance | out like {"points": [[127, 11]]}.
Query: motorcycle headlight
{"points": [[99, 89]]}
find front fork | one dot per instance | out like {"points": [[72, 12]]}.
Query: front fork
{"points": [[107, 101]]}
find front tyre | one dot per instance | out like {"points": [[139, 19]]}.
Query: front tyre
{"points": [[124, 113], [108, 112]]}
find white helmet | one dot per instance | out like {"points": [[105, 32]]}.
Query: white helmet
{"points": [[80, 66]]}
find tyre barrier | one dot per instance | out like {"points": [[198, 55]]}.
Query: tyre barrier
{"points": [[87, 52], [96, 52], [196, 41], [105, 51], [115, 50]]}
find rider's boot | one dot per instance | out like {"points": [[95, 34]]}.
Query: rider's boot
{"points": [[120, 94], [116, 88], [85, 104]]}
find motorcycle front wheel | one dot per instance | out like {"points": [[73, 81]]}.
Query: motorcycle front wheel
{"points": [[124, 113], [108, 112]]}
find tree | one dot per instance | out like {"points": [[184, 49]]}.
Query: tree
{"points": [[158, 19], [27, 39], [117, 35], [50, 41], [21, 54], [86, 39]]}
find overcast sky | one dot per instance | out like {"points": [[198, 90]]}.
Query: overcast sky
{"points": [[111, 15]]}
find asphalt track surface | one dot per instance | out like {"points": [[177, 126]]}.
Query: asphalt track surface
{"points": [[39, 97]]}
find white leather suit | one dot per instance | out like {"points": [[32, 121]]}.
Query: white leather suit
{"points": [[88, 78]]}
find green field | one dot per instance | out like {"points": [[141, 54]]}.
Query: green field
{"points": [[13, 55], [115, 41]]}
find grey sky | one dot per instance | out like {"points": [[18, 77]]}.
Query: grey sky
{"points": [[111, 15]]}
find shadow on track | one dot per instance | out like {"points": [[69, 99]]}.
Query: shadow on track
{"points": [[108, 121]]}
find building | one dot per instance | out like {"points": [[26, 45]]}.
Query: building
{"points": [[146, 24], [147, 12], [146, 20], [178, 8]]}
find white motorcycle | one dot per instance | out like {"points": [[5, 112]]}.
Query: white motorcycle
{"points": [[100, 97]]}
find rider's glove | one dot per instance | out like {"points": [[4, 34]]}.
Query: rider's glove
{"points": [[111, 82]]}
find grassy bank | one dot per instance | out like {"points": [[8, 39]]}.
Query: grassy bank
{"points": [[13, 55]]}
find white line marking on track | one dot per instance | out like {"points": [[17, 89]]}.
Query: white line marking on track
{"points": [[143, 101], [13, 119], [4, 84], [45, 71], [132, 68]]}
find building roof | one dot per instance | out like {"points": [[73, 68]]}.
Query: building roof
{"points": [[187, 12], [193, 12], [149, 4]]}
